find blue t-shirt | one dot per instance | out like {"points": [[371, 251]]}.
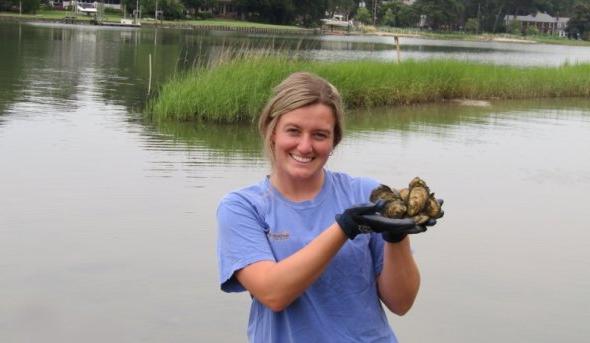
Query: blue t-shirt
{"points": [[257, 223]]}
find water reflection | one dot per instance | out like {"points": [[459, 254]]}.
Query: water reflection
{"points": [[227, 140], [242, 140]]}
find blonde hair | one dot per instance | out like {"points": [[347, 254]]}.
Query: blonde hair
{"points": [[299, 90]]}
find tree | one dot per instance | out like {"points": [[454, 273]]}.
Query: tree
{"points": [[345, 7], [402, 15], [441, 14], [407, 16], [363, 15], [579, 23], [28, 6], [532, 30], [388, 18], [472, 25], [199, 4]]}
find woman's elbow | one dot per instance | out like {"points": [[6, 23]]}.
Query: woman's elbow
{"points": [[400, 308], [275, 304]]}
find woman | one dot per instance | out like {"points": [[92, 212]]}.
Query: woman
{"points": [[316, 265]]}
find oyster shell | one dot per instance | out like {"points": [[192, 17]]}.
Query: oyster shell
{"points": [[395, 209], [404, 192], [380, 192], [432, 208], [418, 182], [420, 218], [416, 202], [417, 197]]}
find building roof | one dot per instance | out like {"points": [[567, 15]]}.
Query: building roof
{"points": [[538, 18]]}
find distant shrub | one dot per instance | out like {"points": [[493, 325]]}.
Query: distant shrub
{"points": [[514, 28], [368, 29], [363, 15], [108, 10], [203, 15], [472, 25], [532, 30], [389, 18]]}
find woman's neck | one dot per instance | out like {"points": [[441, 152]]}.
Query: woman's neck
{"points": [[298, 190]]}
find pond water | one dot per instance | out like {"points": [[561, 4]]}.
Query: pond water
{"points": [[107, 222]]}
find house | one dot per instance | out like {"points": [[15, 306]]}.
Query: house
{"points": [[543, 21]]}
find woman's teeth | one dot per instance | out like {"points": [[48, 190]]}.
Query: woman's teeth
{"points": [[301, 158]]}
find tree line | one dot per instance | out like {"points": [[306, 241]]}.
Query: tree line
{"points": [[438, 15]]}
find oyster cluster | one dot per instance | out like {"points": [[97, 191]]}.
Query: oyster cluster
{"points": [[416, 201]]}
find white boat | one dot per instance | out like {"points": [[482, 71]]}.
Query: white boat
{"points": [[86, 8], [337, 20]]}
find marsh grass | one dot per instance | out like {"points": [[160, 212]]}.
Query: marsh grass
{"points": [[236, 89]]}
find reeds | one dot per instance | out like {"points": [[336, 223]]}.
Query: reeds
{"points": [[237, 89]]}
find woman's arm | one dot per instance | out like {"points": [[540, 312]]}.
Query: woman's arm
{"points": [[399, 280], [277, 284]]}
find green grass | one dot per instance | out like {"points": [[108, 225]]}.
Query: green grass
{"points": [[237, 90]]}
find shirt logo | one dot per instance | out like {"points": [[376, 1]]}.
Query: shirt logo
{"points": [[278, 236]]}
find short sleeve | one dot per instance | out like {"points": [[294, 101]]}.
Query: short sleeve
{"points": [[241, 239], [366, 186]]}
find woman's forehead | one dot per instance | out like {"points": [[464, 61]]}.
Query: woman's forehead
{"points": [[315, 115]]}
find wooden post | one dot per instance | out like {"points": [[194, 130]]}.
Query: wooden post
{"points": [[150, 77], [396, 38]]}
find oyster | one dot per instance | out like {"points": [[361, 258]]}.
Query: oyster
{"points": [[417, 196], [420, 218], [418, 182], [395, 209], [380, 192], [404, 192], [433, 208], [416, 202]]}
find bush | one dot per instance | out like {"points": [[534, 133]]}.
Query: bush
{"points": [[108, 10], [389, 18], [514, 28], [472, 25], [28, 6], [203, 15], [532, 30], [172, 9], [363, 15]]}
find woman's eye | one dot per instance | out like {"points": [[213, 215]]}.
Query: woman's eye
{"points": [[292, 131], [321, 135]]}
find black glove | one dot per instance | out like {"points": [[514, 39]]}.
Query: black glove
{"points": [[394, 230], [396, 236], [363, 218]]}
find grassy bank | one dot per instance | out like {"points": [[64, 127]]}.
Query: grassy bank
{"points": [[483, 37], [237, 90], [45, 15]]}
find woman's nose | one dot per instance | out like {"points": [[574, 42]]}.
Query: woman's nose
{"points": [[305, 144]]}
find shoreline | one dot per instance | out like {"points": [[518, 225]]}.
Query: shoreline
{"points": [[248, 27], [262, 28]]}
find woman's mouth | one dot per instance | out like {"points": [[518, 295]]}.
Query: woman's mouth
{"points": [[302, 159]]}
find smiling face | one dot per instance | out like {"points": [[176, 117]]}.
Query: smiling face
{"points": [[302, 142]]}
